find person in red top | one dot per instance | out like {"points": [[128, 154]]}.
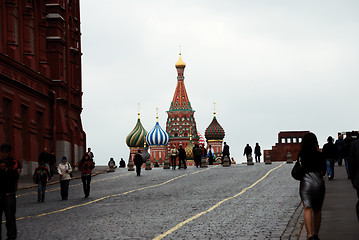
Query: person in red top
{"points": [[86, 165]]}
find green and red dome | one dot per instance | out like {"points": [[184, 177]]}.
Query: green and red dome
{"points": [[214, 131]]}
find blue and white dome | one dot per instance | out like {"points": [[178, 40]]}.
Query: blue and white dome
{"points": [[157, 136]]}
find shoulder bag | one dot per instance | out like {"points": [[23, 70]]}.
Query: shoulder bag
{"points": [[298, 171]]}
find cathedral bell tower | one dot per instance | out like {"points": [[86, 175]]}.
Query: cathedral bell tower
{"points": [[180, 118]]}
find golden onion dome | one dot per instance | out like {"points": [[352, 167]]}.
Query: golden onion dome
{"points": [[180, 63]]}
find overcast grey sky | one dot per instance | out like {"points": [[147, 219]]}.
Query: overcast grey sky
{"points": [[269, 65]]}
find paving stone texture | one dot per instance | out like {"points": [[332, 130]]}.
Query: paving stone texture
{"points": [[124, 206]]}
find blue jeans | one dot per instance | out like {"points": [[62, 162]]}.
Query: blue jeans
{"points": [[330, 167], [41, 189], [346, 160]]}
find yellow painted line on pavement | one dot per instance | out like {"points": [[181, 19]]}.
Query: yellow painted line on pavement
{"points": [[214, 206], [73, 185], [105, 197]]}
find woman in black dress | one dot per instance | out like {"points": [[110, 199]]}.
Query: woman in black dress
{"points": [[312, 188]]}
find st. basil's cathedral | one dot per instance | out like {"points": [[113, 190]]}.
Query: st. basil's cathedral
{"points": [[181, 129]]}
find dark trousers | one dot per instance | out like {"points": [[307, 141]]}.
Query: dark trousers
{"points": [[64, 184], [173, 162], [41, 189], [8, 207], [357, 208], [86, 180], [138, 169], [258, 158], [197, 161], [184, 163]]}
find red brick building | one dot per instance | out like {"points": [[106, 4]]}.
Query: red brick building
{"points": [[40, 79], [287, 142]]}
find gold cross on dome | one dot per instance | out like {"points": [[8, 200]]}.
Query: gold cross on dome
{"points": [[138, 107], [214, 105]]}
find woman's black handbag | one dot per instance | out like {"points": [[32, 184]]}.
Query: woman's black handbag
{"points": [[298, 171]]}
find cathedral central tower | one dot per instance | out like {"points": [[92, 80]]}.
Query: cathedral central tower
{"points": [[180, 121]]}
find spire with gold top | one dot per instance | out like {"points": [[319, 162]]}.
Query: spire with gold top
{"points": [[180, 114]]}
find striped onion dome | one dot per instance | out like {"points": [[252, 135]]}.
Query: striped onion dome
{"points": [[214, 131], [189, 150], [157, 136], [145, 155], [201, 140], [137, 137]]}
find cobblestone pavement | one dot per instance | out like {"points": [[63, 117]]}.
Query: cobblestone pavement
{"points": [[239, 202]]}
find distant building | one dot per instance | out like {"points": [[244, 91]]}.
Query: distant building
{"points": [[180, 121], [215, 135], [287, 142], [40, 79]]}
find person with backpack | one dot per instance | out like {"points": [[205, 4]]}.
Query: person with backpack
{"points": [[64, 169], [86, 165], [41, 177]]}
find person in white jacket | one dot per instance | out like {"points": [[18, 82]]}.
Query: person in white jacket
{"points": [[64, 169]]}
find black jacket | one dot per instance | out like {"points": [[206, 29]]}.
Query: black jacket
{"points": [[181, 153], [9, 176], [138, 160], [329, 151], [354, 163], [226, 150]]}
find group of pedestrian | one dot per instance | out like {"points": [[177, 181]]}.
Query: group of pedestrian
{"points": [[181, 154], [257, 152], [316, 164], [42, 174]]}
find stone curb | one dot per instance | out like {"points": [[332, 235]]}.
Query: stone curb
{"points": [[295, 225]]}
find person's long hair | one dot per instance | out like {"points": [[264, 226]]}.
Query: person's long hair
{"points": [[309, 144]]}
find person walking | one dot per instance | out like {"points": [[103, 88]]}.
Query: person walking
{"points": [[346, 150], [91, 155], [312, 187], [86, 165], [247, 151], [225, 152], [41, 177], [210, 155], [64, 169], [339, 143], [257, 153], [354, 169], [330, 155], [52, 163], [138, 160], [181, 157], [45, 158], [174, 154], [197, 154], [9, 175]]}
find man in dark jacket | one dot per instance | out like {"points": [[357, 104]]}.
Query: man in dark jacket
{"points": [[247, 151], [257, 153], [138, 160], [182, 157], [330, 154], [225, 152], [197, 154], [41, 177], [9, 176], [354, 168], [45, 158]]}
